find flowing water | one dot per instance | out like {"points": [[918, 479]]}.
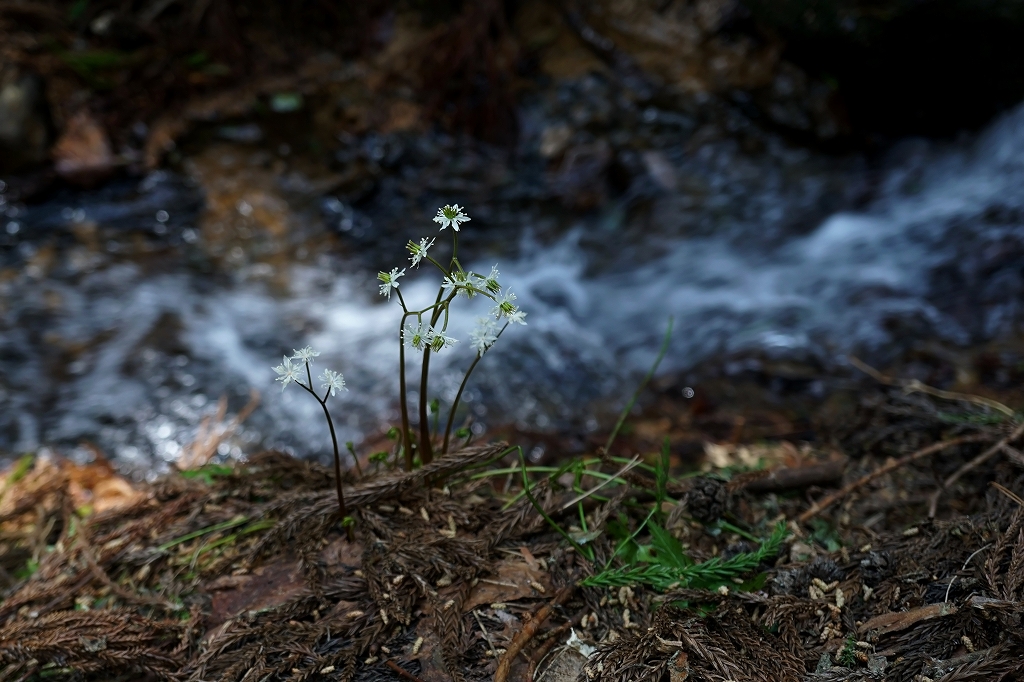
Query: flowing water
{"points": [[126, 312]]}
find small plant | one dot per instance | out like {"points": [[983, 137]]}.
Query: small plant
{"points": [[425, 331], [332, 382], [847, 656], [663, 565]]}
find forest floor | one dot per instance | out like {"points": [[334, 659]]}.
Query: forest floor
{"points": [[896, 552]]}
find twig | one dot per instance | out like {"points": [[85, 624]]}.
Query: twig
{"points": [[202, 449], [913, 385], [552, 638], [529, 630], [976, 462], [487, 635], [402, 672], [822, 505], [1015, 455], [964, 568], [1008, 493], [787, 478]]}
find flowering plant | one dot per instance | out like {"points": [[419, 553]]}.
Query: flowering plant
{"points": [[427, 333], [425, 330]]}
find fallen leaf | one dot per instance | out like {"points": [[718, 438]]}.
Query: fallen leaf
{"points": [[511, 580]]}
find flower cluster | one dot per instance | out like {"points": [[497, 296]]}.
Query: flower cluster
{"points": [[451, 215], [455, 282], [332, 381], [422, 335], [390, 280], [425, 330], [289, 371], [504, 307], [418, 251], [485, 334]]}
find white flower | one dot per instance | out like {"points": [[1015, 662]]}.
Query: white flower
{"points": [[458, 281], [418, 251], [503, 305], [517, 316], [451, 215], [417, 336], [438, 340], [490, 282], [333, 381], [484, 335], [389, 279], [306, 355], [288, 372]]}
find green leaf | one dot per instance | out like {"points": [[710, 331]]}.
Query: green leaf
{"points": [[669, 551]]}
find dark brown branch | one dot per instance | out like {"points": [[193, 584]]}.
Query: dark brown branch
{"points": [[824, 504], [974, 463], [787, 478], [529, 631]]}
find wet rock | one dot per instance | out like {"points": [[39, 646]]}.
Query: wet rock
{"points": [[798, 103], [683, 51], [554, 140], [83, 155], [24, 127], [708, 499], [683, 46], [581, 180], [661, 170]]}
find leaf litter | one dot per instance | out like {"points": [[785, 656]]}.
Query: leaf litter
{"points": [[241, 571]]}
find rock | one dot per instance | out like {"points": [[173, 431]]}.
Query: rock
{"points": [[24, 122], [554, 139], [693, 50], [682, 46], [661, 170], [581, 178], [82, 155]]}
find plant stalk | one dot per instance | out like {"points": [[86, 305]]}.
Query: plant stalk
{"points": [[426, 451], [455, 404], [334, 442], [458, 396], [403, 390]]}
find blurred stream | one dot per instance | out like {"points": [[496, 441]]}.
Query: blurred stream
{"points": [[127, 311]]}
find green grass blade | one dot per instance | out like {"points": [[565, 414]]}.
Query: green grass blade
{"points": [[643, 384]]}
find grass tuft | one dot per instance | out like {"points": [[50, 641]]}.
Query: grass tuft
{"points": [[664, 566]]}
